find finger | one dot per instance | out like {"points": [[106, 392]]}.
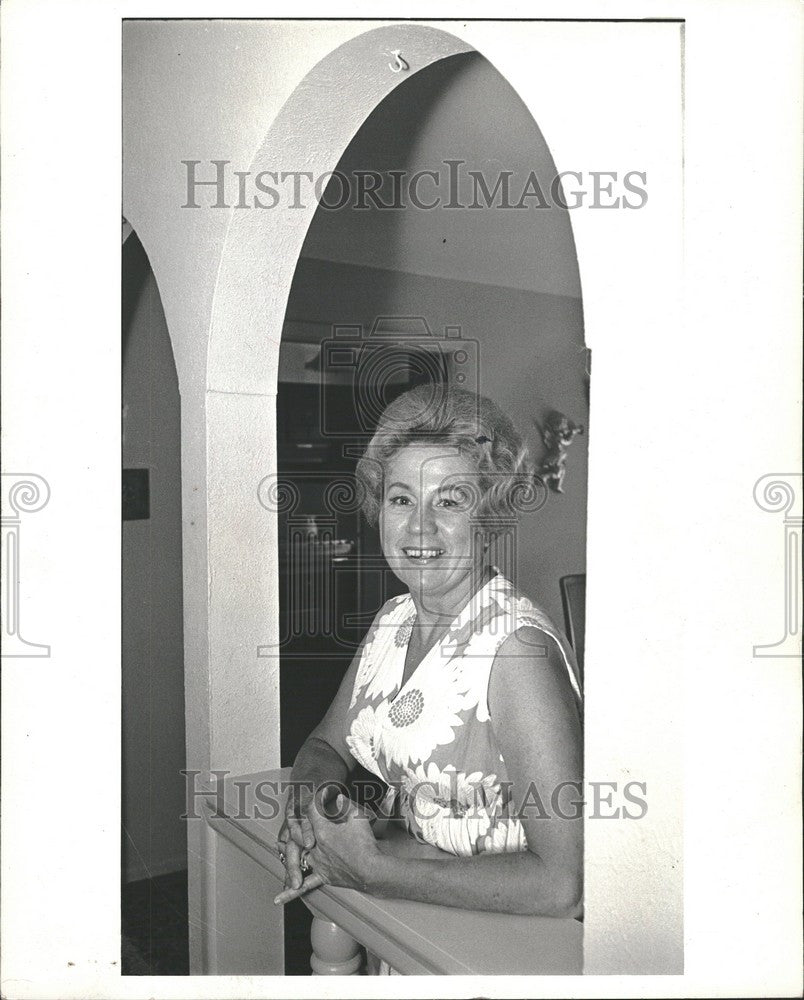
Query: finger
{"points": [[297, 834], [319, 802], [291, 822], [293, 864], [308, 834], [286, 882], [313, 882], [302, 833], [313, 819]]}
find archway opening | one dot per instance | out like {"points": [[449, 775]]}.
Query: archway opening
{"points": [[153, 835], [466, 275]]}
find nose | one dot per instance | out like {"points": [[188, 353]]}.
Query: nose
{"points": [[422, 522]]}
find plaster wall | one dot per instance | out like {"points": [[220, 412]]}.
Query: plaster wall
{"points": [[154, 837], [453, 125]]}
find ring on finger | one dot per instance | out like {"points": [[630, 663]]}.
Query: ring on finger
{"points": [[305, 862]]}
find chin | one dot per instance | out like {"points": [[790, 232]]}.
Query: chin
{"points": [[418, 577], [422, 579], [434, 576]]}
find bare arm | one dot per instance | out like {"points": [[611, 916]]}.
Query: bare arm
{"points": [[537, 726]]}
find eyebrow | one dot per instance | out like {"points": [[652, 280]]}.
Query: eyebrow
{"points": [[441, 489]]}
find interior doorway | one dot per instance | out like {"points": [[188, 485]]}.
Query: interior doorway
{"points": [[153, 835], [392, 290]]}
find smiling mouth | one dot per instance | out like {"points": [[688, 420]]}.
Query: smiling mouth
{"points": [[423, 555]]}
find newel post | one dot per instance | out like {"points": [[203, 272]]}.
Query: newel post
{"points": [[335, 953]]}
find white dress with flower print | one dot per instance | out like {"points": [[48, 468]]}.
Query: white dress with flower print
{"points": [[432, 740]]}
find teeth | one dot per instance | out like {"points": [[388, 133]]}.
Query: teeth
{"points": [[423, 553]]}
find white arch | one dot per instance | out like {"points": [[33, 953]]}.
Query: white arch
{"points": [[262, 247], [257, 265]]}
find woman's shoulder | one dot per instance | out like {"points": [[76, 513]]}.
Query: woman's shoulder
{"points": [[392, 613], [532, 633], [394, 606], [518, 610]]}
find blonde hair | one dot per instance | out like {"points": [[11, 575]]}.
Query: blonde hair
{"points": [[439, 414]]}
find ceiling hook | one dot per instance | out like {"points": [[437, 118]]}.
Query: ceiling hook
{"points": [[400, 63]]}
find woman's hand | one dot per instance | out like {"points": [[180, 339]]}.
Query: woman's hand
{"points": [[345, 852], [296, 837]]}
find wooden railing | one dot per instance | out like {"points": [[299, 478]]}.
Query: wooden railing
{"points": [[414, 938]]}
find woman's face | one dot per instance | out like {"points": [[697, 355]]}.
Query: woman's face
{"points": [[425, 523]]}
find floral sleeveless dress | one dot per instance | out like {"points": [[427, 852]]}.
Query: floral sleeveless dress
{"points": [[432, 740]]}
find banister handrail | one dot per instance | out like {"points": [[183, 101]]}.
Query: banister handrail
{"points": [[415, 938]]}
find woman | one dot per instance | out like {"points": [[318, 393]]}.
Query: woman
{"points": [[462, 697]]}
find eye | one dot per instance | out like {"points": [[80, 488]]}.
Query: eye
{"points": [[457, 498], [399, 500]]}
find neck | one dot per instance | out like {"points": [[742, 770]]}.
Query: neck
{"points": [[442, 609]]}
